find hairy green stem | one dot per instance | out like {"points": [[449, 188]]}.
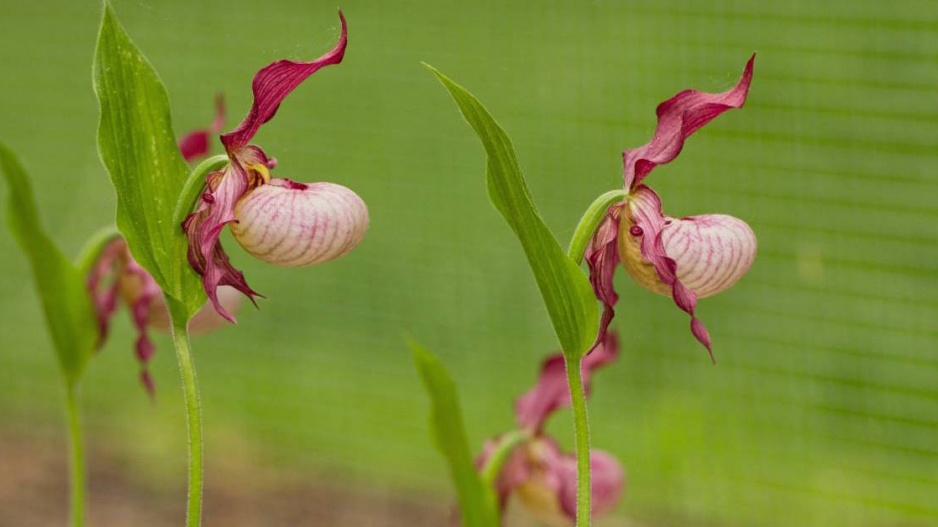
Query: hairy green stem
{"points": [[76, 457], [590, 221], [582, 436], [190, 389], [507, 445]]}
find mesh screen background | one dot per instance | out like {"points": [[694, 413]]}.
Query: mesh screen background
{"points": [[823, 409]]}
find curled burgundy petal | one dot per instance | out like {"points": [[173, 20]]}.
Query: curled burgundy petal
{"points": [[116, 274], [678, 118], [196, 144], [207, 318], [142, 295], [271, 86], [203, 229], [295, 224], [551, 391], [602, 258], [140, 313], [103, 285]]}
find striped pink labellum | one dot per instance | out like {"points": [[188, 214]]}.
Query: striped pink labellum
{"points": [[295, 224], [711, 253], [684, 258]]}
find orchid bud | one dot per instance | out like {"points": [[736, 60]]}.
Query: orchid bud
{"points": [[295, 224]]}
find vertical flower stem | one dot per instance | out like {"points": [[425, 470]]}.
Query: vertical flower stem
{"points": [[76, 457], [582, 436], [190, 389]]}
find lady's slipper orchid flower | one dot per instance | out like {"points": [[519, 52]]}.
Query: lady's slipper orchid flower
{"points": [[277, 220], [116, 275], [537, 471], [685, 258]]}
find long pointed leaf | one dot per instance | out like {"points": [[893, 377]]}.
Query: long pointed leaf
{"points": [[62, 291], [476, 500], [138, 147], [564, 287]]}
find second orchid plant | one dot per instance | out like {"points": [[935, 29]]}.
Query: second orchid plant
{"points": [[171, 218], [685, 258]]}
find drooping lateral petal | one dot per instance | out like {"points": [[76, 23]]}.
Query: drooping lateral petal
{"points": [[147, 294], [602, 258], [678, 118], [104, 295], [207, 319], [648, 223], [203, 228], [607, 482], [552, 392], [271, 86], [196, 144]]}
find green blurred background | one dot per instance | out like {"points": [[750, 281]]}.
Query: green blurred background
{"points": [[823, 409]]}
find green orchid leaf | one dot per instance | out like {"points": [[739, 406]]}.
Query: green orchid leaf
{"points": [[476, 500], [61, 286], [139, 150], [564, 287]]}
